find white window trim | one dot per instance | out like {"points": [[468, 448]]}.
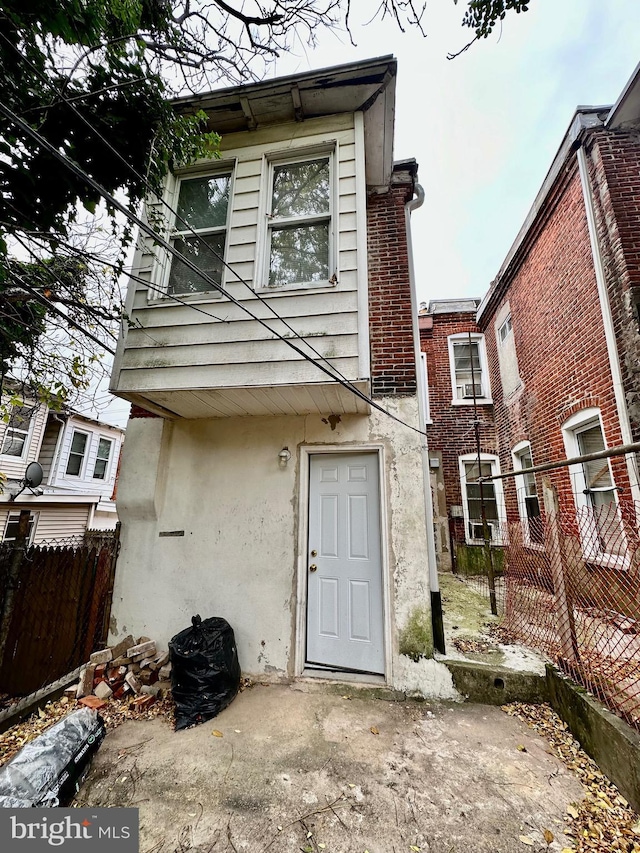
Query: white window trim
{"points": [[107, 469], [85, 458], [27, 439], [520, 494], [501, 339], [570, 428], [499, 493], [14, 515], [161, 268], [263, 252], [478, 338]]}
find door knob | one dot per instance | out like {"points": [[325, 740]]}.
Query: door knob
{"points": [[314, 553], [313, 567]]}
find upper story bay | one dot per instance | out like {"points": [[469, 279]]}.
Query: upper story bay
{"points": [[275, 230]]}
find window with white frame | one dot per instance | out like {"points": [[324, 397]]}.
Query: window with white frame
{"points": [[469, 374], [476, 497], [103, 455], [75, 462], [505, 329], [299, 222], [200, 232], [11, 527], [594, 490], [17, 433], [527, 493]]}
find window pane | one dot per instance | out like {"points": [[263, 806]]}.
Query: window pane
{"points": [[206, 253], [203, 202], [102, 458], [13, 443], [301, 189], [597, 474], [78, 442], [463, 355], [299, 255]]}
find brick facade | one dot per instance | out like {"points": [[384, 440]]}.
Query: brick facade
{"points": [[451, 432], [563, 363], [393, 368], [614, 173]]}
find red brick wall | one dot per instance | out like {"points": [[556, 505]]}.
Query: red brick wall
{"points": [[614, 173], [559, 341], [393, 369], [451, 432]]}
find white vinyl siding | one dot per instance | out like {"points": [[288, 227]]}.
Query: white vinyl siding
{"points": [[87, 483], [13, 467], [54, 522], [178, 348]]}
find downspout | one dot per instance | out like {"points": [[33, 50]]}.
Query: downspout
{"points": [[607, 323], [434, 585]]}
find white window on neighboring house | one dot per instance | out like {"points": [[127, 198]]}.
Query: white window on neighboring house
{"points": [[18, 432], [12, 523], [505, 329], [469, 374], [75, 462], [473, 498], [102, 459], [199, 233], [299, 223], [527, 493], [595, 493]]}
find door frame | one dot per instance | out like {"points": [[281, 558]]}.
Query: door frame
{"points": [[306, 451]]}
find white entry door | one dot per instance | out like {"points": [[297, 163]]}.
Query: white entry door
{"points": [[344, 568]]}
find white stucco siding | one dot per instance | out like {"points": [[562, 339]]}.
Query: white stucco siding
{"points": [[219, 482], [235, 350]]}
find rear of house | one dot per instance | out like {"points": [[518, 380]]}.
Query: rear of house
{"points": [[273, 469]]}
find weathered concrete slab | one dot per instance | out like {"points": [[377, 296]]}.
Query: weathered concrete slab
{"points": [[443, 778]]}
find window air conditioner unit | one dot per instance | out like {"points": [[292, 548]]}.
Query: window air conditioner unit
{"points": [[476, 530], [468, 391]]}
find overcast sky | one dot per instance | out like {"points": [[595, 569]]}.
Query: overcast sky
{"points": [[484, 127]]}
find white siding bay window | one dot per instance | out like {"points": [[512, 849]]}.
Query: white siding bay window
{"points": [[473, 498], [594, 490], [199, 233], [299, 223], [469, 372]]}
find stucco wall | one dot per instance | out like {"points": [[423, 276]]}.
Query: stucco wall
{"points": [[219, 481]]}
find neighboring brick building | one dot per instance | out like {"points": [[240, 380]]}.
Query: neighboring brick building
{"points": [[452, 342], [562, 333]]}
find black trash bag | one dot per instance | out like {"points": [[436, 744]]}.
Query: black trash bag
{"points": [[49, 770], [205, 672]]}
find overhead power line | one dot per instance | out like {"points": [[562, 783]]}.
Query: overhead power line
{"points": [[331, 371]]}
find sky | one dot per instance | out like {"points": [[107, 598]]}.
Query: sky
{"points": [[485, 127]]}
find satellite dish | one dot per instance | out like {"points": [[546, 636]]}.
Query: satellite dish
{"points": [[33, 475]]}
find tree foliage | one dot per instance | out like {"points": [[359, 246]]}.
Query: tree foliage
{"points": [[95, 78]]}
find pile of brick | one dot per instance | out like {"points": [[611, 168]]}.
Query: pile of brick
{"points": [[132, 668]]}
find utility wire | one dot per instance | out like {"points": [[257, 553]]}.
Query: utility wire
{"points": [[145, 228], [349, 385]]}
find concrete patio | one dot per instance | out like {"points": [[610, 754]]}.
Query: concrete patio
{"points": [[304, 768]]}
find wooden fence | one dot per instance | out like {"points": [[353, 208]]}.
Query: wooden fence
{"points": [[55, 605]]}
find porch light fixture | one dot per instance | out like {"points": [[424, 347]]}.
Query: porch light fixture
{"points": [[284, 456]]}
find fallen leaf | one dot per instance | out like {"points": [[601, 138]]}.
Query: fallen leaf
{"points": [[522, 747], [191, 814], [309, 834], [526, 840], [413, 847], [322, 846], [548, 835], [238, 731], [374, 730], [279, 828], [216, 733], [573, 811]]}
